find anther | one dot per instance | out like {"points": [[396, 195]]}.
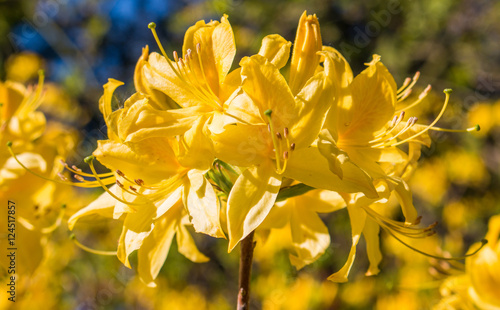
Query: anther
{"points": [[292, 146], [133, 188], [62, 177], [188, 54], [278, 135], [139, 182], [120, 173], [79, 178], [425, 92], [151, 25], [269, 127], [285, 132], [176, 57], [416, 76], [268, 112], [198, 48], [119, 184], [285, 155]]}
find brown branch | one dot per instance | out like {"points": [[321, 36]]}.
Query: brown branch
{"points": [[246, 257]]}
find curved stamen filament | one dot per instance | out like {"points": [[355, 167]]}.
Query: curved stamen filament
{"points": [[411, 121], [421, 97], [428, 127], [268, 113], [405, 84], [475, 128], [401, 228], [483, 243], [184, 73], [89, 161], [90, 250], [83, 185], [385, 223], [403, 90], [395, 121], [57, 223]]}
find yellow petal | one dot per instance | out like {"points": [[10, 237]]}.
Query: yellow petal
{"points": [[371, 233], [268, 89], [160, 76], [11, 95], [12, 170], [217, 50], [305, 56], [29, 127], [202, 204], [405, 198], [250, 200], [105, 101], [312, 103], [243, 145], [328, 148], [310, 237], [151, 160], [136, 228], [276, 49], [196, 150], [309, 167], [157, 99], [187, 247], [142, 121], [339, 72], [357, 219], [370, 105], [102, 206], [155, 248]]}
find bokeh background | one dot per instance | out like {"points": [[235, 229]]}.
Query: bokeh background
{"points": [[454, 44]]}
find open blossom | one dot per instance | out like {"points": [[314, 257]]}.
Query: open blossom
{"points": [[476, 286], [39, 146], [229, 153]]}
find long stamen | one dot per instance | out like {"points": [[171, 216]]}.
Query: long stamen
{"points": [[405, 83], [89, 161], [475, 128], [414, 81], [57, 223], [268, 113], [483, 243], [421, 97], [152, 26], [87, 249], [447, 99], [198, 52], [395, 121], [9, 146]]}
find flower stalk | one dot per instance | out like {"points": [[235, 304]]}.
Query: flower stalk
{"points": [[246, 257]]}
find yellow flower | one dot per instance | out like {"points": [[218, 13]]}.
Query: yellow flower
{"points": [[478, 287], [38, 203], [307, 237], [273, 137], [154, 178]]}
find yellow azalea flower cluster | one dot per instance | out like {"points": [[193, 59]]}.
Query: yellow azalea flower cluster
{"points": [[265, 147], [35, 205], [478, 285]]}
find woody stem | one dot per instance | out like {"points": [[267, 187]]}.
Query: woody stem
{"points": [[246, 256]]}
